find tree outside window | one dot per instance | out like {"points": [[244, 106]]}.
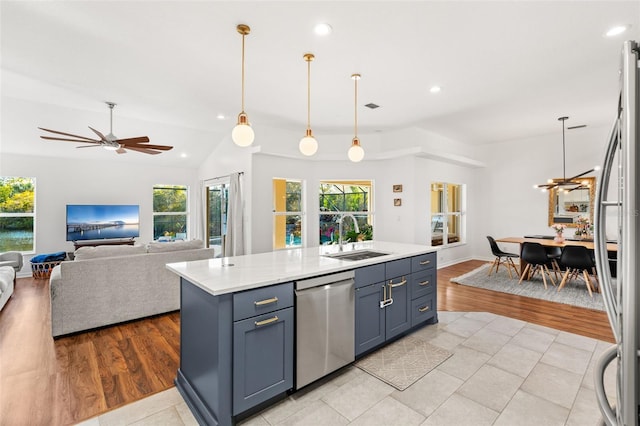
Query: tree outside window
{"points": [[170, 212], [17, 214], [337, 198]]}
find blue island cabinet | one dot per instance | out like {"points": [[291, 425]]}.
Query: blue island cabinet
{"points": [[236, 350], [393, 298]]}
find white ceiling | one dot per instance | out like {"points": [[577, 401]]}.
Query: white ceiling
{"points": [[507, 69]]}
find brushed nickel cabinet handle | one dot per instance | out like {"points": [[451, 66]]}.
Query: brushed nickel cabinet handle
{"points": [[423, 283], [266, 301], [424, 308], [265, 322], [425, 262], [403, 282]]}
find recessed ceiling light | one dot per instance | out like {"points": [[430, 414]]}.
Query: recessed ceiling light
{"points": [[220, 117], [435, 89], [183, 155], [322, 29], [617, 30]]}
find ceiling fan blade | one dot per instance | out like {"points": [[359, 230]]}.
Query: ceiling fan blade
{"points": [[121, 150], [143, 150], [67, 134], [69, 140], [158, 147], [104, 139], [140, 139], [90, 146]]}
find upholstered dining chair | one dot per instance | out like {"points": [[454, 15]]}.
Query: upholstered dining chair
{"points": [[577, 260], [502, 258], [537, 260]]}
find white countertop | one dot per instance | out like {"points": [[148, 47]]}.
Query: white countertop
{"points": [[233, 274]]}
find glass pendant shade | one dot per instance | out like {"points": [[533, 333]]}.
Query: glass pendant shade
{"points": [[308, 144], [242, 134], [356, 152]]}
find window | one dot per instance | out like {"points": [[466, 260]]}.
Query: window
{"points": [[287, 213], [446, 213], [345, 197], [170, 212], [17, 214], [217, 204]]}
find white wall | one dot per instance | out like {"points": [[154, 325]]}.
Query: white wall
{"points": [[62, 181], [510, 206]]}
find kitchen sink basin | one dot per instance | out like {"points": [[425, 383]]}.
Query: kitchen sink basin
{"points": [[356, 255]]}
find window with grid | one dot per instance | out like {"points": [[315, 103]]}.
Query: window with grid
{"points": [[170, 212], [17, 214], [287, 213], [337, 198], [447, 218]]}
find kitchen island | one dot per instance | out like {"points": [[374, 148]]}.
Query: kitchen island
{"points": [[239, 316]]}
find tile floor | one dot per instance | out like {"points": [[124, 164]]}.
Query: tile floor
{"points": [[502, 372]]}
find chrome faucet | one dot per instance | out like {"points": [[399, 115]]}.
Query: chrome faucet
{"points": [[355, 224]]}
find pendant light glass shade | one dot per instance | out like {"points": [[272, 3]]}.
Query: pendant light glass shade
{"points": [[242, 134], [356, 152], [308, 144]]}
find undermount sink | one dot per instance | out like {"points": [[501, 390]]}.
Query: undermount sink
{"points": [[356, 255]]}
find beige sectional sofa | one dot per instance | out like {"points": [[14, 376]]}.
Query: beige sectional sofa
{"points": [[106, 285]]}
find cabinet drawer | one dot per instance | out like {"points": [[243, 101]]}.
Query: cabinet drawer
{"points": [[423, 309], [262, 300], [397, 268], [369, 275], [422, 283], [422, 262]]}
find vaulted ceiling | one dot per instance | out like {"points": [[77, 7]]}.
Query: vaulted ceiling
{"points": [[507, 69]]}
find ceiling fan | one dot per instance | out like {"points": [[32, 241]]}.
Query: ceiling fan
{"points": [[110, 141]]}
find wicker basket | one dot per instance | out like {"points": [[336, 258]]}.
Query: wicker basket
{"points": [[43, 270]]}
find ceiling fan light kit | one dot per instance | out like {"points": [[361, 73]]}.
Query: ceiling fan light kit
{"points": [[565, 184], [242, 134], [308, 144], [110, 142]]}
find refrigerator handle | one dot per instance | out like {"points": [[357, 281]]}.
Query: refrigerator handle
{"points": [[608, 413], [600, 238]]}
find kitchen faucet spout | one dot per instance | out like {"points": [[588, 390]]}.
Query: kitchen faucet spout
{"points": [[340, 226]]}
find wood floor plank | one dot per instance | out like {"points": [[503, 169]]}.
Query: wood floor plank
{"points": [[76, 377]]}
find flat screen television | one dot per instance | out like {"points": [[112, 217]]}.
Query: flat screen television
{"points": [[97, 222]]}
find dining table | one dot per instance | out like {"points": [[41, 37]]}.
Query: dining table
{"points": [[550, 242]]}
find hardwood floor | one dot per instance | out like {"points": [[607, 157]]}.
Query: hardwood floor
{"points": [[60, 382]]}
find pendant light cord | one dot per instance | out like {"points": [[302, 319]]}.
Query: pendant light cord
{"points": [[355, 107], [308, 94], [564, 173], [243, 36]]}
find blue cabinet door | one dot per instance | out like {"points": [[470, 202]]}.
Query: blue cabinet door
{"points": [[398, 314], [370, 318], [262, 358]]}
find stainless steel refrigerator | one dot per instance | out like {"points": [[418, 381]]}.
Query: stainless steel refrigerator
{"points": [[618, 204]]}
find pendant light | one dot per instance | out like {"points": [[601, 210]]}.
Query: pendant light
{"points": [[355, 153], [565, 184], [308, 144], [242, 134]]}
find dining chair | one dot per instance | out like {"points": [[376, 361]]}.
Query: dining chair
{"points": [[554, 253], [537, 260], [502, 258], [577, 260]]}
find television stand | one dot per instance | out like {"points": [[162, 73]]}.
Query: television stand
{"points": [[95, 243]]}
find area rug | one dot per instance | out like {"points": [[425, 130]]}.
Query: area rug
{"points": [[403, 362], [573, 293]]}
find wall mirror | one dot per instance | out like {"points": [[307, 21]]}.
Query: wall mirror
{"points": [[566, 207]]}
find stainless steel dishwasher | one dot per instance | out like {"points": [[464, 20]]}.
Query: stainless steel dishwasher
{"points": [[325, 315]]}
